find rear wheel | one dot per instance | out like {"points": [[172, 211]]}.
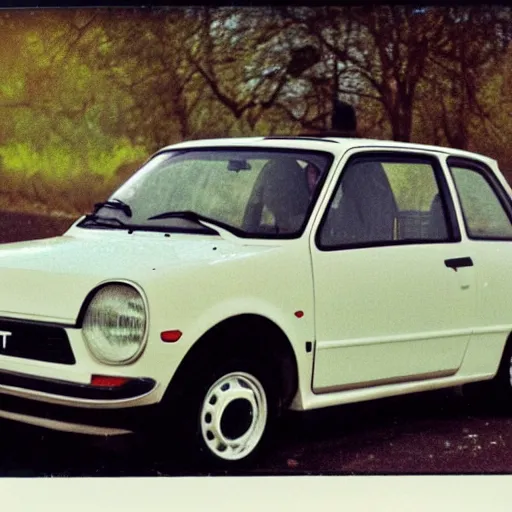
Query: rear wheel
{"points": [[501, 384], [497, 392]]}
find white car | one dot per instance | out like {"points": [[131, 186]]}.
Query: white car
{"points": [[230, 280]]}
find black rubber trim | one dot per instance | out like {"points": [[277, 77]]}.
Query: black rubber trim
{"points": [[129, 418], [456, 263], [132, 389]]}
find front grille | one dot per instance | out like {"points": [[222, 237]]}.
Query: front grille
{"points": [[40, 342]]}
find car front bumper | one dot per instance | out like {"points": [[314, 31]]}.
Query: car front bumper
{"points": [[79, 408]]}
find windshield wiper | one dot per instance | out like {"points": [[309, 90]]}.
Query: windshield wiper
{"points": [[102, 221], [115, 204], [182, 214], [211, 224]]}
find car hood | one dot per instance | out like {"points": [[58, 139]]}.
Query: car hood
{"points": [[48, 280]]}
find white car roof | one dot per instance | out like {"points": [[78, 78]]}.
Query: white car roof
{"points": [[335, 145]]}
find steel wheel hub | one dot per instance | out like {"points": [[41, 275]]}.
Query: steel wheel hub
{"points": [[234, 416]]}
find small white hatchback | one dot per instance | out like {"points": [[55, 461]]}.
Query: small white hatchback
{"points": [[230, 280]]}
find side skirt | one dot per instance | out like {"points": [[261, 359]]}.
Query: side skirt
{"points": [[310, 400]]}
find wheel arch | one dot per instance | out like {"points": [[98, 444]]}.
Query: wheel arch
{"points": [[242, 334]]}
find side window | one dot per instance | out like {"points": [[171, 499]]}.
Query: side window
{"points": [[484, 214], [380, 200]]}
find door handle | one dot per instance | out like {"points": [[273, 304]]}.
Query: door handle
{"points": [[456, 263]]}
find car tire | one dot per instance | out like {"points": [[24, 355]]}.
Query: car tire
{"points": [[227, 413], [501, 384], [497, 392]]}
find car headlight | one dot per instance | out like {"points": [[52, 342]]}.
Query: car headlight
{"points": [[114, 325]]}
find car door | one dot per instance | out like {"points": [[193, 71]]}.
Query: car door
{"points": [[486, 208], [394, 282]]}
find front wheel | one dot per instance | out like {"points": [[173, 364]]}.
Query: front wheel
{"points": [[226, 414], [233, 416]]}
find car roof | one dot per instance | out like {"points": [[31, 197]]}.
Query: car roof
{"points": [[335, 145]]}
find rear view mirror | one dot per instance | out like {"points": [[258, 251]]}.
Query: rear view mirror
{"points": [[238, 165]]}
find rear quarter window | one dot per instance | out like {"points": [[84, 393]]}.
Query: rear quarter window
{"points": [[484, 213]]}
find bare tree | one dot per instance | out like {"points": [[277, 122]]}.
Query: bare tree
{"points": [[385, 52]]}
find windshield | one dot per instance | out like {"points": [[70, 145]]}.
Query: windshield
{"points": [[250, 192]]}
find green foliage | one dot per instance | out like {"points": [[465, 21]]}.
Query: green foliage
{"points": [[418, 197], [86, 95]]}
